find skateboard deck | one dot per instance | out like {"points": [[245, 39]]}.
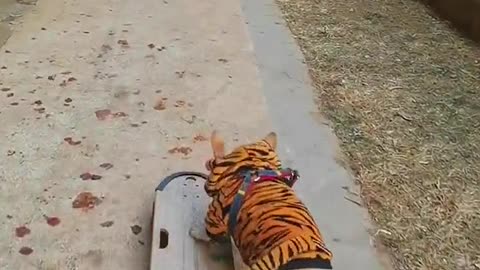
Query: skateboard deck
{"points": [[180, 201]]}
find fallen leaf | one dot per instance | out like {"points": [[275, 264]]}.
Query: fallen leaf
{"points": [[179, 103], [51, 77], [63, 83], [123, 42], [106, 47], [191, 121], [22, 231], [39, 110], [160, 106], [120, 114], [183, 150], [96, 177], [352, 201], [180, 74], [85, 201], [103, 114], [106, 166], [70, 141], [25, 251], [136, 229], [107, 224], [404, 116], [199, 138], [52, 221], [86, 176]]}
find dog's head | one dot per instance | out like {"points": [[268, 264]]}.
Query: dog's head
{"points": [[224, 168]]}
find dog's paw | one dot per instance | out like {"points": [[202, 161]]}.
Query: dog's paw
{"points": [[199, 234]]}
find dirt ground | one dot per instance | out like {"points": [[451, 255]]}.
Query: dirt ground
{"points": [[402, 90], [9, 11], [102, 99], [99, 101]]}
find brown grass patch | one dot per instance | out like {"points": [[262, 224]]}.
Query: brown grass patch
{"points": [[403, 93]]}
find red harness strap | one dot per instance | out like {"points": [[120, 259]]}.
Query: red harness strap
{"points": [[287, 176]]}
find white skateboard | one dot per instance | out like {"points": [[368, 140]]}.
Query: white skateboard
{"points": [[180, 201]]}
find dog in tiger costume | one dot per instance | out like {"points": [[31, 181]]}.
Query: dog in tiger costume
{"points": [[253, 203]]}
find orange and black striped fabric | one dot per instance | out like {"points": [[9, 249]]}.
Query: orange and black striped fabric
{"points": [[273, 227]]}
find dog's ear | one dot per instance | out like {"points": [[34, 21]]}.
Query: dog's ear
{"points": [[218, 146], [271, 139]]}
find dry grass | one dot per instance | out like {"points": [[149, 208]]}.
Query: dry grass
{"points": [[403, 93]]}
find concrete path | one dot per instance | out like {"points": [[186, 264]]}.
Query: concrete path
{"points": [[108, 96]]}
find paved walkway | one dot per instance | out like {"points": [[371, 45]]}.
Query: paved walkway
{"points": [[122, 92]]}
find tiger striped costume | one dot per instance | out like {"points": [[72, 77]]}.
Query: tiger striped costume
{"points": [[273, 227]]}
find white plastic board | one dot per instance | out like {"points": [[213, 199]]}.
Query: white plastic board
{"points": [[181, 203]]}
